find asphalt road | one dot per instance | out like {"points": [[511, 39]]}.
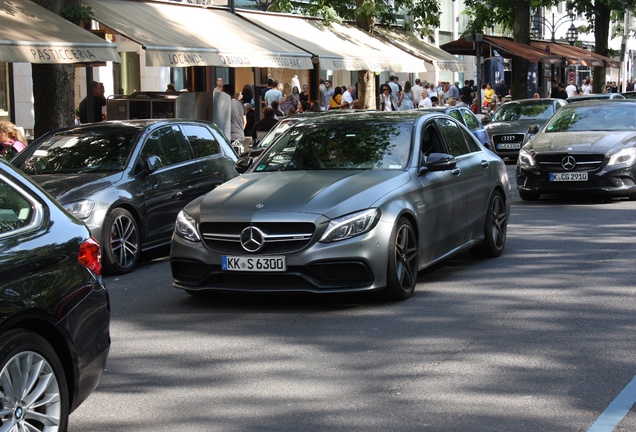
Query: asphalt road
{"points": [[540, 339]]}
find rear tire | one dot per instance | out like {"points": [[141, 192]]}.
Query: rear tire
{"points": [[403, 262], [121, 242], [495, 228], [28, 359]]}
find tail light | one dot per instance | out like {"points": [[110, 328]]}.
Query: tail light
{"points": [[90, 256]]}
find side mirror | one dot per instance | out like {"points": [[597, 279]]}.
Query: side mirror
{"points": [[243, 164], [153, 163], [438, 162], [533, 129]]}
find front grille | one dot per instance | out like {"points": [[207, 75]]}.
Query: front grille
{"points": [[279, 238], [508, 138], [584, 162]]}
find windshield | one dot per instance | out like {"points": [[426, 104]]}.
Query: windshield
{"points": [[353, 145], [88, 151], [605, 117], [519, 111]]}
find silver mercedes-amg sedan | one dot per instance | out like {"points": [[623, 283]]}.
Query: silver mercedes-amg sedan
{"points": [[351, 203]]}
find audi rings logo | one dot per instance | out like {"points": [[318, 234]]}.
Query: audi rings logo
{"points": [[252, 239], [508, 138], [568, 163]]}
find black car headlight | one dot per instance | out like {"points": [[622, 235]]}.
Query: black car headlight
{"points": [[351, 225], [525, 160], [186, 227], [80, 209], [624, 157]]}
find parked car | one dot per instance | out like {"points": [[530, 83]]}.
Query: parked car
{"points": [[586, 148], [629, 95], [348, 203], [466, 117], [54, 315], [508, 128], [128, 180], [595, 96]]}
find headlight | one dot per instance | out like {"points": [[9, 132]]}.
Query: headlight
{"points": [[526, 160], [351, 225], [624, 157], [80, 209], [186, 227]]}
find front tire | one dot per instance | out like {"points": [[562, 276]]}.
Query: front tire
{"points": [[33, 390], [121, 242], [495, 228], [403, 262]]}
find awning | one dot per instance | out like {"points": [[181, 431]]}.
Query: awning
{"points": [[505, 47], [410, 43], [33, 34], [178, 35], [571, 54], [338, 46]]}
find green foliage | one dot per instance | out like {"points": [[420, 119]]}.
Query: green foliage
{"points": [[423, 14], [77, 13]]}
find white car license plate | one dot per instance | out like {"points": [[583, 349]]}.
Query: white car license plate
{"points": [[254, 264], [509, 146], [573, 176]]}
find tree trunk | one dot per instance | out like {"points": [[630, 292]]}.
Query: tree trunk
{"points": [[53, 86], [366, 90], [521, 34], [601, 33]]}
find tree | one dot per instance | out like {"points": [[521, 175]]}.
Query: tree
{"points": [[53, 84], [365, 13]]}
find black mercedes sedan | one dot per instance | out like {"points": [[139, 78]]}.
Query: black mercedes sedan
{"points": [[128, 180], [54, 309], [585, 148]]}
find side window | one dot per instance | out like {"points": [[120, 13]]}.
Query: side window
{"points": [[471, 141], [454, 137], [167, 143], [15, 210], [431, 142], [456, 115], [470, 120], [201, 140]]}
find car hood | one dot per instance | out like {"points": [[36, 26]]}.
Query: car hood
{"points": [[330, 193], [582, 142], [520, 126], [72, 187]]}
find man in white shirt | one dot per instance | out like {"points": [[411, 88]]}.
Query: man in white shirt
{"points": [[274, 94], [425, 100], [571, 89], [347, 98], [219, 85], [417, 91]]}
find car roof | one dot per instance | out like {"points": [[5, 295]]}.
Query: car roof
{"points": [[410, 116], [533, 101], [596, 96]]}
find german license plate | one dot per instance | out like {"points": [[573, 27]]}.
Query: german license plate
{"points": [[574, 176], [254, 264], [509, 146]]}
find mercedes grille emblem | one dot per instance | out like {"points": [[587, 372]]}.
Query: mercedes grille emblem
{"points": [[568, 163], [252, 239]]}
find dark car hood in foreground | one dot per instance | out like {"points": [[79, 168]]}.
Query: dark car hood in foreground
{"points": [[583, 142], [71, 187], [331, 193], [506, 127]]}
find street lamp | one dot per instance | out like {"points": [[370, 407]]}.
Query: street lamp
{"points": [[264, 4], [538, 22]]}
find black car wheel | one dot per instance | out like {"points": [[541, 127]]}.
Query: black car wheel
{"points": [[402, 266], [121, 242], [33, 391], [529, 196], [495, 228]]}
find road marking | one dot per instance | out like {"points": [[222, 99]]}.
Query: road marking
{"points": [[617, 410]]}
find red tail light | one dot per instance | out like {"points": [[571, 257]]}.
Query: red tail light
{"points": [[90, 256]]}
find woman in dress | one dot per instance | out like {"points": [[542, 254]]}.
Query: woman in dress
{"points": [[406, 102]]}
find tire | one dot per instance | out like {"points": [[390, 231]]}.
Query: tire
{"points": [[403, 262], [529, 196], [26, 357], [121, 243], [495, 228]]}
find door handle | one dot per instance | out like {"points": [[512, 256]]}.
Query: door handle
{"points": [[197, 172], [485, 164], [456, 172]]}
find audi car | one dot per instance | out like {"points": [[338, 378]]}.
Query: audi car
{"points": [[585, 148], [127, 180], [347, 203], [508, 129]]}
